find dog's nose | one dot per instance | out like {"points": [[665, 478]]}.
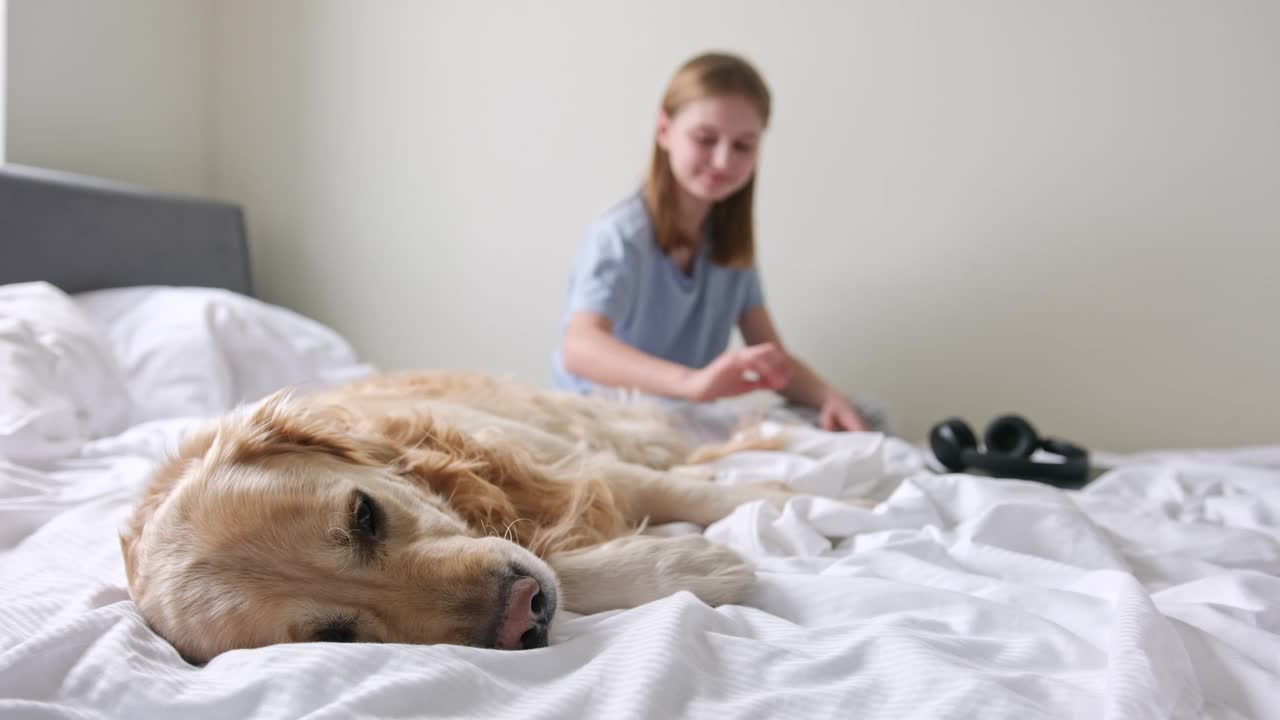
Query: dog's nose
{"points": [[527, 617]]}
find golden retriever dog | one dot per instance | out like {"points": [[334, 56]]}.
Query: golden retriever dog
{"points": [[422, 508]]}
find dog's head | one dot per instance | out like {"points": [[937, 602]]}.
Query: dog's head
{"points": [[275, 527]]}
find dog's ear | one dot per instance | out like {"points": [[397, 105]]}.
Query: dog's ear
{"points": [[126, 549], [500, 490], [161, 483], [484, 485], [466, 482]]}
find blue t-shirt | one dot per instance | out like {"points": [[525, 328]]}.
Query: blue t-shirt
{"points": [[652, 304]]}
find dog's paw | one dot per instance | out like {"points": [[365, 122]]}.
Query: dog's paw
{"points": [[716, 574], [630, 571]]}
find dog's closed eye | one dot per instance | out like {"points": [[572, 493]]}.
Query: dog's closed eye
{"points": [[366, 531], [336, 627], [336, 633], [366, 517]]}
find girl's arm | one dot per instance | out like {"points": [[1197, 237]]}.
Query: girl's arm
{"points": [[591, 351], [806, 387]]}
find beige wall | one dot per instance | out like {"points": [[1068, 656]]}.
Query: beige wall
{"points": [[117, 88], [1066, 209], [4, 54]]}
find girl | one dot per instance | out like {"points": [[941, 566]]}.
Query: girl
{"points": [[665, 274]]}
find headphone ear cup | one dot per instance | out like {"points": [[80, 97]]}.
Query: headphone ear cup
{"points": [[1011, 435], [949, 440]]}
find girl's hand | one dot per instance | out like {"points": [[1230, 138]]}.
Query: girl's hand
{"points": [[738, 371], [837, 413]]}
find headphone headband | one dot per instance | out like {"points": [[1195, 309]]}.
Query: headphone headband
{"points": [[1064, 448], [1010, 441]]}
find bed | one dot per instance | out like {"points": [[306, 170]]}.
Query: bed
{"points": [[127, 319]]}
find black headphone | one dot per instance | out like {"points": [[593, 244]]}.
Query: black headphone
{"points": [[1009, 442]]}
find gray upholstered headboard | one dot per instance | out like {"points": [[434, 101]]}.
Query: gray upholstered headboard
{"points": [[82, 233]]}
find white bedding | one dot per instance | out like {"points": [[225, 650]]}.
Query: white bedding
{"points": [[1154, 593]]}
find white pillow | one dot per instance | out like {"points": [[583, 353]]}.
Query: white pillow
{"points": [[200, 351], [59, 382]]}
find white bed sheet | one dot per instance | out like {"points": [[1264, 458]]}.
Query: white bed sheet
{"points": [[1152, 594]]}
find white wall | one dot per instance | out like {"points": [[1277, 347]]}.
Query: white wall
{"points": [[1066, 209], [4, 54], [118, 89]]}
